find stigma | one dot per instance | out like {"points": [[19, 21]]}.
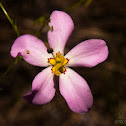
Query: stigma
{"points": [[58, 63]]}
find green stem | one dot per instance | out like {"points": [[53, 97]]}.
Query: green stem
{"points": [[10, 20], [9, 68], [46, 19], [16, 30], [81, 2], [43, 24], [86, 3], [74, 5]]}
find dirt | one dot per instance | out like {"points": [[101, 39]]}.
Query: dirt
{"points": [[102, 19]]}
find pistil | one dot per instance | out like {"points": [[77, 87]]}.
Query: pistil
{"points": [[58, 63]]}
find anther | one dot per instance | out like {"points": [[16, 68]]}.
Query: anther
{"points": [[27, 51], [51, 28]]}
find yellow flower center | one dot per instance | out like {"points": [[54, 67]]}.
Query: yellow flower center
{"points": [[58, 63]]}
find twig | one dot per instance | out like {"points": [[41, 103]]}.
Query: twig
{"points": [[9, 68], [10, 20]]}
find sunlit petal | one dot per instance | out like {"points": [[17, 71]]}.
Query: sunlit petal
{"points": [[43, 89], [61, 27], [31, 49], [88, 53], [76, 91]]}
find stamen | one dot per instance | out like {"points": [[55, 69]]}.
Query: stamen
{"points": [[51, 28], [58, 63], [52, 61], [53, 55], [27, 51]]}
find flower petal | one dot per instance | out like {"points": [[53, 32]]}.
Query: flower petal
{"points": [[31, 49], [61, 27], [88, 53], [76, 91], [43, 89]]}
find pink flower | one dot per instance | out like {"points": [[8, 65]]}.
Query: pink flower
{"points": [[72, 86]]}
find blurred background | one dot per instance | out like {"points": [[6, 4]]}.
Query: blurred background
{"points": [[102, 19]]}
